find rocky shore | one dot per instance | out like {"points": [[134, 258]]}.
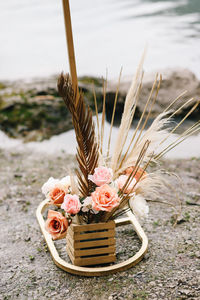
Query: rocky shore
{"points": [[169, 271], [33, 111]]}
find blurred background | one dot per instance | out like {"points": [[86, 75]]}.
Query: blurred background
{"points": [[107, 34], [37, 140]]}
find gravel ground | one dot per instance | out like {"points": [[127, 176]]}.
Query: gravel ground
{"points": [[170, 269]]}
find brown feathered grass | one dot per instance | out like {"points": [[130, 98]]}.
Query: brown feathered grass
{"points": [[87, 147]]}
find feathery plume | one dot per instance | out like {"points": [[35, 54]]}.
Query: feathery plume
{"points": [[87, 148]]}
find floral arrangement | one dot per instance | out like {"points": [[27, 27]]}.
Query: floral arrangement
{"points": [[106, 186], [102, 200]]}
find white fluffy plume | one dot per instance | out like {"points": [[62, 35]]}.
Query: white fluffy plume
{"points": [[151, 184], [139, 206], [155, 133]]}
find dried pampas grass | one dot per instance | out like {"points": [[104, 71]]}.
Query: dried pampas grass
{"points": [[157, 135]]}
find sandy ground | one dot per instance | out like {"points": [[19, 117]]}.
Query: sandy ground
{"points": [[170, 269]]}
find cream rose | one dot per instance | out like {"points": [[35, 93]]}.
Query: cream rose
{"points": [[87, 206], [55, 189]]}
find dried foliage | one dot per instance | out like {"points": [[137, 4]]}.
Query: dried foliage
{"points": [[87, 148], [145, 146]]}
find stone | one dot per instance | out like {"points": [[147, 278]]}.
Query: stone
{"points": [[174, 83], [33, 111]]}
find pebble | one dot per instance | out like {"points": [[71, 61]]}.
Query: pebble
{"points": [[160, 278], [110, 279], [197, 254]]}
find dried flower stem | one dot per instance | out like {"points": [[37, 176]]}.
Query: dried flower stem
{"points": [[139, 122], [130, 121], [177, 126], [149, 113], [174, 101], [103, 113], [125, 198], [113, 113], [96, 111], [175, 143], [136, 167], [175, 112]]}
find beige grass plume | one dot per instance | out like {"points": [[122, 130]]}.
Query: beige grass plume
{"points": [[127, 117]]}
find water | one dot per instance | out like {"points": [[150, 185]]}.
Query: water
{"points": [[66, 143], [107, 34]]}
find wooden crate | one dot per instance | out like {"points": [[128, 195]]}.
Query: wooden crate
{"points": [[91, 244]]}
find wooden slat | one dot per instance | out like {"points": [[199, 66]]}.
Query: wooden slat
{"points": [[91, 227], [71, 256], [70, 242], [94, 261], [87, 252], [79, 245], [90, 243], [96, 251], [93, 235], [70, 231]]}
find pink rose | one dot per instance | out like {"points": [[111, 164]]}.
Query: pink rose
{"points": [[104, 198], [57, 196], [102, 175], [56, 224], [121, 182], [71, 204]]}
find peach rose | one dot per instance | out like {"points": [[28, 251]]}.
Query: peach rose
{"points": [[101, 176], [104, 198], [129, 170], [56, 196], [71, 204], [121, 182], [56, 224]]}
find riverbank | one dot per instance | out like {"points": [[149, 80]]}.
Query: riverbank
{"points": [[170, 269], [33, 111]]}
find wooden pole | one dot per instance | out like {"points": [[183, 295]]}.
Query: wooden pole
{"points": [[70, 44]]}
